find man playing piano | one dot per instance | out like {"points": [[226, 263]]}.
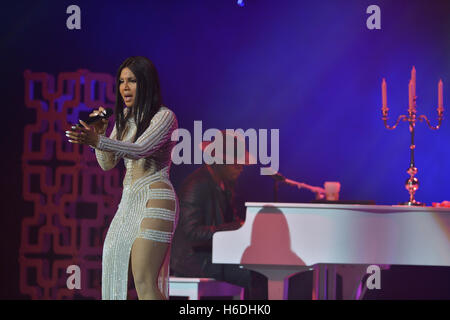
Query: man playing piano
{"points": [[207, 205]]}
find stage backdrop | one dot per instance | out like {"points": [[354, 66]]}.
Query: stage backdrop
{"points": [[311, 70]]}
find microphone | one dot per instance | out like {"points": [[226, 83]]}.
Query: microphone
{"points": [[102, 115], [278, 177]]}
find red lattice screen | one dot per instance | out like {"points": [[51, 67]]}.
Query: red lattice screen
{"points": [[73, 199]]}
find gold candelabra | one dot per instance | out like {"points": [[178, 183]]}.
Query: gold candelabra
{"points": [[412, 183]]}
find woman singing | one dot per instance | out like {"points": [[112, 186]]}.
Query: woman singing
{"points": [[141, 231]]}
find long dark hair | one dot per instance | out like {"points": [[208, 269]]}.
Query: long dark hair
{"points": [[148, 95]]}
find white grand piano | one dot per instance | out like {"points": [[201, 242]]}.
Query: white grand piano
{"points": [[281, 239]]}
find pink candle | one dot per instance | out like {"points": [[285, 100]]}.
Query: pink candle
{"points": [[384, 94], [440, 95], [413, 79], [410, 96]]}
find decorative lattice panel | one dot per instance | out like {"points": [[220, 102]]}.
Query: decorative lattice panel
{"points": [[73, 199]]}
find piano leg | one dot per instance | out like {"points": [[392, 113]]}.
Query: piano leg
{"points": [[331, 282], [353, 287], [324, 282], [324, 285]]}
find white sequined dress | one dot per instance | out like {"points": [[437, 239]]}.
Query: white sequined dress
{"points": [[147, 161]]}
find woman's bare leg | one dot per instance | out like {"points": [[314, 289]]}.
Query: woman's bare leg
{"points": [[147, 256]]}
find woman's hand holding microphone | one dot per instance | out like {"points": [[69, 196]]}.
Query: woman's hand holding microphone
{"points": [[89, 134]]}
